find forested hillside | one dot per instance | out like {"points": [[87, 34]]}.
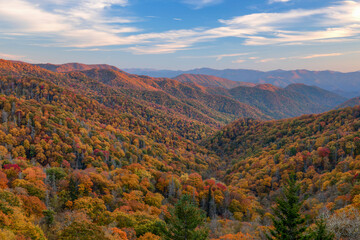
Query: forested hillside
{"points": [[70, 67], [103, 154], [219, 99], [323, 150], [350, 103], [291, 101]]}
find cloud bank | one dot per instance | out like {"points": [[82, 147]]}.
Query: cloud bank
{"points": [[86, 24]]}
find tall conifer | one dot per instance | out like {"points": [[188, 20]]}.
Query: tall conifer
{"points": [[287, 220], [185, 222]]}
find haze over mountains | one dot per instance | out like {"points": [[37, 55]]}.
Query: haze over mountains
{"points": [[346, 84]]}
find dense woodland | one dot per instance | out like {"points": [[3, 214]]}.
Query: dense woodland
{"points": [[99, 154]]}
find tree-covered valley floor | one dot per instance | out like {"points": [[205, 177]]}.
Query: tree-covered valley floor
{"points": [[82, 158]]}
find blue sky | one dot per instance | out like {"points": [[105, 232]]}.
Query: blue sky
{"points": [[184, 34]]}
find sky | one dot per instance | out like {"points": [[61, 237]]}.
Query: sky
{"points": [[184, 34]]}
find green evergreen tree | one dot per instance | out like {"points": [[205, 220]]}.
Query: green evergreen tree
{"points": [[287, 220], [321, 233], [185, 222]]}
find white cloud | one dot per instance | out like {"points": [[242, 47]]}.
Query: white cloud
{"points": [[219, 57], [81, 25], [87, 25], [327, 24], [238, 61], [11, 56], [197, 4], [320, 55], [27, 18], [276, 1], [339, 21], [271, 19], [159, 48]]}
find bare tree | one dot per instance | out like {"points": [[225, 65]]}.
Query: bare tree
{"points": [[345, 224]]}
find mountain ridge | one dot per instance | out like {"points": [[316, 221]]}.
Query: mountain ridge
{"points": [[211, 81], [326, 79], [262, 101]]}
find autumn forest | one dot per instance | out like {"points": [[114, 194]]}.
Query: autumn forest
{"points": [[93, 152]]}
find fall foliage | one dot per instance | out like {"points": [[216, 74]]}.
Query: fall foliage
{"points": [[98, 154]]}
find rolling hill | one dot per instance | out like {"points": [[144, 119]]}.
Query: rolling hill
{"points": [[291, 101], [325, 98], [132, 92], [350, 103], [69, 67], [204, 98]]}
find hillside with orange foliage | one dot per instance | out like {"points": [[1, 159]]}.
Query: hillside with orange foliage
{"points": [[70, 67], [82, 155]]}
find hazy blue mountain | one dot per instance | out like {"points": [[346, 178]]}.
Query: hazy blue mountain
{"points": [[329, 80]]}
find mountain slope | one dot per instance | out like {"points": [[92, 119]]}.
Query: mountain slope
{"points": [[323, 150], [350, 103], [79, 157], [188, 102], [169, 93], [286, 102], [317, 95], [217, 105], [211, 81], [69, 67]]}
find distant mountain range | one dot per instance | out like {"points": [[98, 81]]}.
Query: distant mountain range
{"points": [[210, 99], [345, 84]]}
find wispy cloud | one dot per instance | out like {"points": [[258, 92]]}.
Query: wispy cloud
{"points": [[332, 23], [320, 55], [238, 61], [276, 1], [83, 24], [197, 4], [11, 56], [220, 56], [87, 25]]}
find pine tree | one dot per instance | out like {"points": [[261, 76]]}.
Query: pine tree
{"points": [[287, 220], [320, 232], [185, 222]]}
